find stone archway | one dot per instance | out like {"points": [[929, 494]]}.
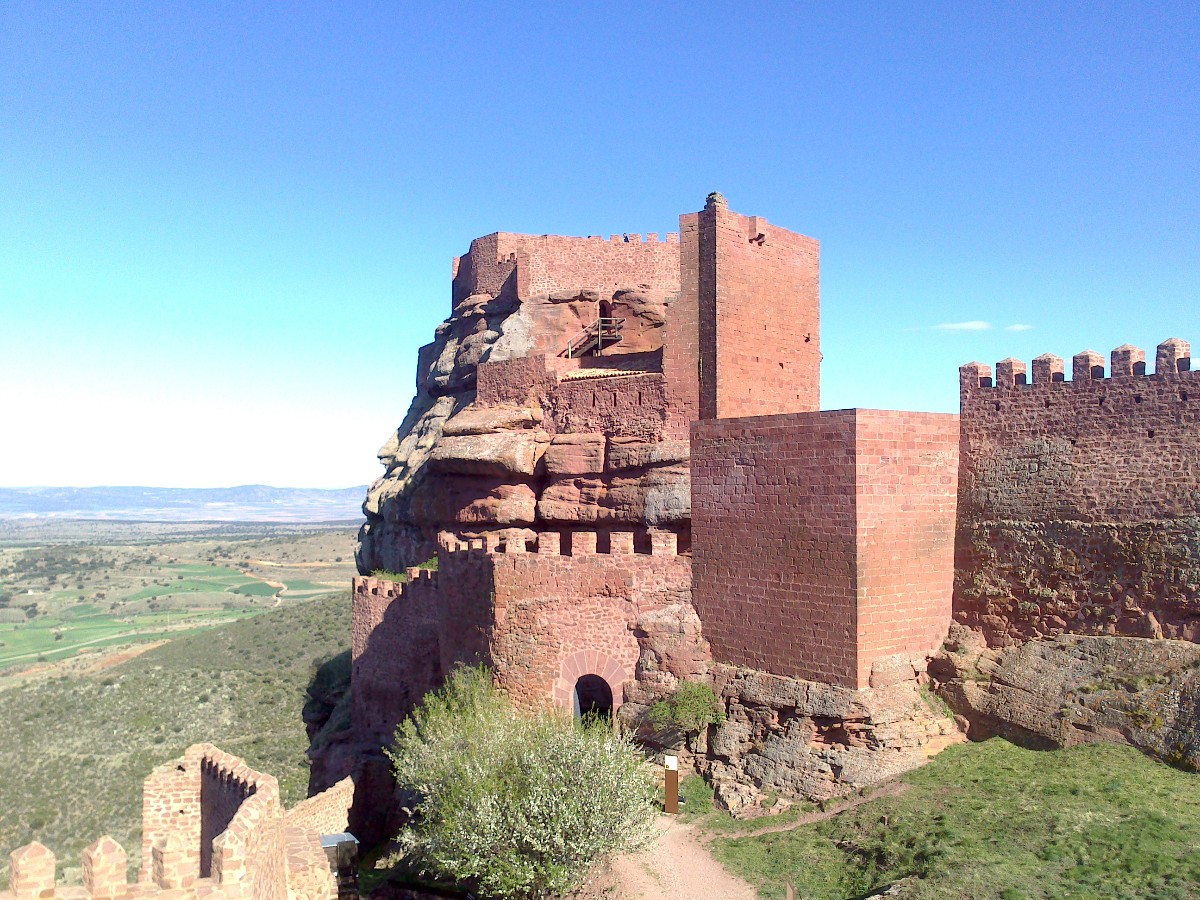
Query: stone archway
{"points": [[596, 664], [593, 698]]}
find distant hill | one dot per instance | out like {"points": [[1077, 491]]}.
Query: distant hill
{"points": [[247, 503]]}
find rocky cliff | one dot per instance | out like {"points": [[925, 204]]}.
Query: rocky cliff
{"points": [[535, 456]]}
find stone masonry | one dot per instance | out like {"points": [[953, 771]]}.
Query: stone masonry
{"points": [[674, 505], [212, 828]]}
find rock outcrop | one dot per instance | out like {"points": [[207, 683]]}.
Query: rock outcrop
{"points": [[1077, 689], [463, 466]]}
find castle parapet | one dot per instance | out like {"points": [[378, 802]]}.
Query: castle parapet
{"points": [[571, 543], [1172, 360], [215, 830]]}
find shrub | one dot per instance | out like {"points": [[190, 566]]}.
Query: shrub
{"points": [[516, 805], [690, 709]]}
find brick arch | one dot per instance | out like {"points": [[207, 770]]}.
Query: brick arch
{"points": [[589, 662]]}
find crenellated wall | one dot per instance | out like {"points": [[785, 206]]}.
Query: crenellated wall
{"points": [[1079, 505], [212, 828], [395, 651], [524, 607]]}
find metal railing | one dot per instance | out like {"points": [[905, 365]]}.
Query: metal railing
{"points": [[605, 331]]}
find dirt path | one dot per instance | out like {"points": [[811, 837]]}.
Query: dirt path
{"points": [[891, 789], [677, 867]]}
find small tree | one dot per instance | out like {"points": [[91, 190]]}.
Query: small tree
{"points": [[689, 710], [515, 804]]}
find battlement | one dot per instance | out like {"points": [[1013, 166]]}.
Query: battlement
{"points": [[389, 589], [526, 265], [1173, 360], [573, 543], [213, 828]]}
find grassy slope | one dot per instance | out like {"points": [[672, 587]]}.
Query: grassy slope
{"points": [[74, 751], [994, 820]]}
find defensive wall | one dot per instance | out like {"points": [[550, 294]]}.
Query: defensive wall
{"points": [[1079, 500], [574, 499], [824, 542], [212, 827], [525, 265], [541, 613]]}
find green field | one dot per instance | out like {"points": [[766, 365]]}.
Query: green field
{"points": [[68, 598], [75, 749], [992, 820]]}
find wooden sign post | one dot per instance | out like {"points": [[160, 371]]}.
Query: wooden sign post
{"points": [[671, 799]]}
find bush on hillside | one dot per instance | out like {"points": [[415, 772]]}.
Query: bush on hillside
{"points": [[517, 805]]}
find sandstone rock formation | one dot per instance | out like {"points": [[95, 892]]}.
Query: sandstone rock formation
{"points": [[463, 466], [1077, 689]]}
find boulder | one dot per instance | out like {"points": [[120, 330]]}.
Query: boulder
{"points": [[465, 500], [1078, 689], [632, 453], [513, 454], [575, 454], [484, 420]]}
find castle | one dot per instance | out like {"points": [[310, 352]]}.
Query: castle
{"points": [[617, 455]]}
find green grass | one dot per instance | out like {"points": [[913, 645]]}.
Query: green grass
{"points": [[697, 806], [992, 820], [74, 750], [305, 587]]}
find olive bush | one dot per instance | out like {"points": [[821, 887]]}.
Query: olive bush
{"points": [[691, 708], [515, 804]]}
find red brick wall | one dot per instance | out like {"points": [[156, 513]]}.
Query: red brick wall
{"points": [[1078, 499], [681, 343], [823, 541], [906, 499], [760, 284], [530, 264], [773, 534], [557, 617], [540, 620]]}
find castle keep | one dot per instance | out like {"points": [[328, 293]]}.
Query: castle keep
{"points": [[617, 455]]}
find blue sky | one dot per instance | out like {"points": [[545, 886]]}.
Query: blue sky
{"points": [[225, 228]]}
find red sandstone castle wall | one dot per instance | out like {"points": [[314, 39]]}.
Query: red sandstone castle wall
{"points": [[773, 543], [529, 265], [395, 652], [615, 405], [558, 617], [823, 542], [766, 307], [1078, 499], [906, 499], [681, 342]]}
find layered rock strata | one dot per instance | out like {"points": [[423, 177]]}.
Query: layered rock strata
{"points": [[549, 440]]}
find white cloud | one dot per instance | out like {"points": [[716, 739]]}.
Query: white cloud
{"points": [[964, 326], [1018, 327]]}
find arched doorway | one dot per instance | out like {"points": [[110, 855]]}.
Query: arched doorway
{"points": [[593, 697]]}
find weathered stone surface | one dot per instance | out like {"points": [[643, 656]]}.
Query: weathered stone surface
{"points": [[805, 739], [465, 500], [503, 453], [484, 420], [1078, 689], [575, 454], [631, 453]]}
